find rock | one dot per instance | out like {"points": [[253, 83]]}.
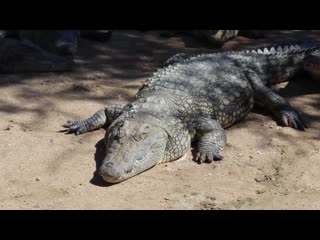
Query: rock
{"points": [[260, 191]]}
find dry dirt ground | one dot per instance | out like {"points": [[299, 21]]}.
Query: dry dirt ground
{"points": [[265, 166]]}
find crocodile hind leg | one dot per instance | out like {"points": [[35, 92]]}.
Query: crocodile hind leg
{"points": [[279, 106], [98, 120], [211, 139]]}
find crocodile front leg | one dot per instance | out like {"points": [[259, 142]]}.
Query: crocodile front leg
{"points": [[96, 121], [279, 106], [212, 139]]}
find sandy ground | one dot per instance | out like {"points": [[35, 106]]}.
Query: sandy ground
{"points": [[265, 166]]}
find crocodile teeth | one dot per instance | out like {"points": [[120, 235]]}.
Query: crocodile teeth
{"points": [[259, 51]]}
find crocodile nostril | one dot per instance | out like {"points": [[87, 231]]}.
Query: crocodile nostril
{"points": [[108, 164]]}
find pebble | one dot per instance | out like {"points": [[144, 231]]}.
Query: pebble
{"points": [[260, 191], [37, 179]]}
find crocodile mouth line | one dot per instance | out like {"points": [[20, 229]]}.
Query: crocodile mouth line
{"points": [[133, 171]]}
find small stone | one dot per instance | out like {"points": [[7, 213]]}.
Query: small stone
{"points": [[37, 179], [258, 180], [211, 198], [251, 156], [259, 152], [261, 191]]}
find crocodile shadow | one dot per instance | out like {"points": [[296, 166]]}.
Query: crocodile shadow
{"points": [[300, 86], [98, 157]]}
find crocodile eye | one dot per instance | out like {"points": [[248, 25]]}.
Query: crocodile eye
{"points": [[111, 135], [145, 129], [140, 135], [114, 134]]}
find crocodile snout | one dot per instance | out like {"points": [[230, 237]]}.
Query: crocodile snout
{"points": [[111, 173]]}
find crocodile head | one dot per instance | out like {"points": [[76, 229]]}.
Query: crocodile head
{"points": [[133, 145]]}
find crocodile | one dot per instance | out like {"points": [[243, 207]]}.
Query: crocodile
{"points": [[195, 99]]}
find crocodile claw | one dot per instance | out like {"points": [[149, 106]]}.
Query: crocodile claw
{"points": [[207, 156], [74, 127], [291, 118]]}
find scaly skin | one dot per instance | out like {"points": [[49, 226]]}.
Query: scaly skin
{"points": [[194, 98]]}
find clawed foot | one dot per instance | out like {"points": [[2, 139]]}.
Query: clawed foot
{"points": [[291, 118], [77, 127], [207, 156]]}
